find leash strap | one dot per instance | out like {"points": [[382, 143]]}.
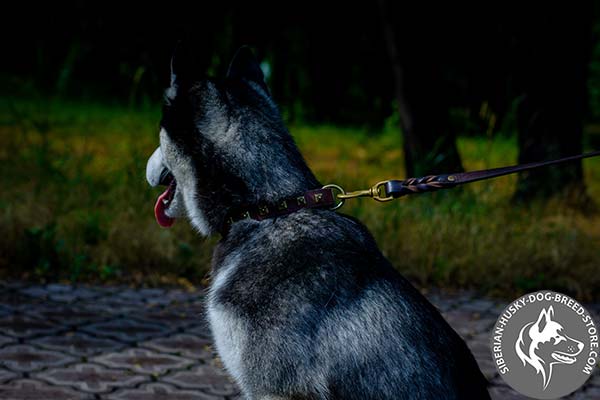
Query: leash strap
{"points": [[397, 188]]}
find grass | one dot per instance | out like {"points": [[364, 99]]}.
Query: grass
{"points": [[75, 206]]}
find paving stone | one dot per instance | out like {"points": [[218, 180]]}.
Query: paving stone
{"points": [[182, 344], [441, 301], [37, 291], [60, 292], [184, 296], [173, 318], [108, 305], [167, 298], [594, 308], [592, 392], [14, 285], [67, 298], [29, 389], [141, 294], [5, 340], [58, 287], [106, 290], [143, 361], [68, 314], [194, 312], [505, 393], [108, 319], [5, 375], [582, 394], [203, 377], [4, 310], [480, 343], [78, 343], [27, 358], [497, 381], [487, 367], [201, 329], [22, 326], [91, 378], [479, 306], [127, 330], [74, 295], [481, 324], [497, 309], [175, 298], [461, 297], [127, 297], [595, 378], [17, 301], [85, 293], [461, 321], [468, 323], [159, 391], [194, 308]]}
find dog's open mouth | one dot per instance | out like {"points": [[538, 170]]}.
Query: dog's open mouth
{"points": [[164, 200], [563, 358]]}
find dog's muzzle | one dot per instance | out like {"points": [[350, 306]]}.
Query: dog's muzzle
{"points": [[158, 174], [156, 171]]}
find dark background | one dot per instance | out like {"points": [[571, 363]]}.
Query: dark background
{"points": [[448, 68]]}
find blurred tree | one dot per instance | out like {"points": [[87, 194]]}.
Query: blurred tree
{"points": [[414, 44], [553, 48]]}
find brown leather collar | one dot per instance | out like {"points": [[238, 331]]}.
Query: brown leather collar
{"points": [[318, 198]]}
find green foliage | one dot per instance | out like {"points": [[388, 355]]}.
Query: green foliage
{"points": [[75, 205]]}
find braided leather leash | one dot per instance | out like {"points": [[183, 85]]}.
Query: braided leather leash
{"points": [[326, 197], [392, 189]]}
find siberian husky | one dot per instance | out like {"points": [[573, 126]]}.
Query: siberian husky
{"points": [[302, 306]]}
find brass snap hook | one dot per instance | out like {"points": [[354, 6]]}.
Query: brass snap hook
{"points": [[378, 192]]}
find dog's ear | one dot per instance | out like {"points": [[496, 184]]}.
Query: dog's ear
{"points": [[544, 318], [172, 68], [181, 65], [186, 65], [245, 66]]}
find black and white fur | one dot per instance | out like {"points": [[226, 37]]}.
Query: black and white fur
{"points": [[302, 306]]}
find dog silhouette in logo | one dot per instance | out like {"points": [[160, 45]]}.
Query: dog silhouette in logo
{"points": [[544, 343]]}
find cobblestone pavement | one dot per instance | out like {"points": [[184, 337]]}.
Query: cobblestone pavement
{"points": [[66, 342]]}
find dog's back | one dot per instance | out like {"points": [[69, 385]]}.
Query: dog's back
{"points": [[314, 310]]}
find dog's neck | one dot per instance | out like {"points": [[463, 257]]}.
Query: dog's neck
{"points": [[229, 181], [233, 201]]}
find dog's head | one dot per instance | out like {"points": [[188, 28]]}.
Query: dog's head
{"points": [[544, 342], [223, 144]]}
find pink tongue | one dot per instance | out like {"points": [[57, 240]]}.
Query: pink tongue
{"points": [[159, 210]]}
